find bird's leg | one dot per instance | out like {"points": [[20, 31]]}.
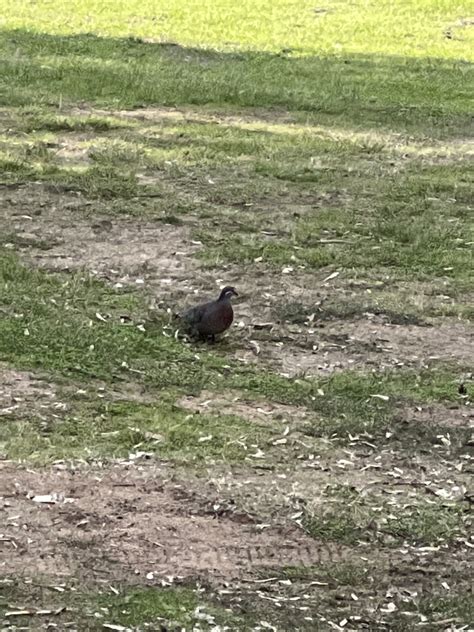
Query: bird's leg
{"points": [[213, 338]]}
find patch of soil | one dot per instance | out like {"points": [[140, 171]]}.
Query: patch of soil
{"points": [[320, 349], [120, 250], [22, 392], [125, 521], [235, 403], [285, 491], [439, 415]]}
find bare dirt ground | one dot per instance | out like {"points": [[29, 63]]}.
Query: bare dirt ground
{"points": [[21, 392], [131, 520]]}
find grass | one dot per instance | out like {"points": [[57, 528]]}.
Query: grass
{"points": [[412, 225], [298, 313], [367, 76], [348, 519], [411, 28], [458, 606], [50, 323], [332, 138], [93, 432], [136, 607], [169, 606], [359, 580], [405, 219], [399, 214]]}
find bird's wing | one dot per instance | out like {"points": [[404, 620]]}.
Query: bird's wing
{"points": [[194, 315]]}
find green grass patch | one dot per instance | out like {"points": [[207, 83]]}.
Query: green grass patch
{"points": [[412, 28], [297, 313], [355, 402], [133, 607], [49, 122], [93, 431], [164, 606], [459, 606], [348, 518], [415, 304], [331, 202], [414, 225], [95, 181], [354, 86]]}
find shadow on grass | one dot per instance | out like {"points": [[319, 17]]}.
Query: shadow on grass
{"points": [[354, 90]]}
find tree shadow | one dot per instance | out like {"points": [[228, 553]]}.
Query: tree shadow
{"points": [[427, 96]]}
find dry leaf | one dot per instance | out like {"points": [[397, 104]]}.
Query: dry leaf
{"points": [[49, 499], [255, 346], [204, 439], [331, 276], [263, 325]]}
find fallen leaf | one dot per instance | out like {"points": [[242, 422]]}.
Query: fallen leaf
{"points": [[204, 439], [263, 325], [331, 276], [255, 346], [49, 499], [18, 613]]}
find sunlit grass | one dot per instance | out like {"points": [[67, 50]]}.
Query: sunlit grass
{"points": [[418, 28]]}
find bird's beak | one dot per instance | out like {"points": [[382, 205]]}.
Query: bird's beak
{"points": [[236, 293]]}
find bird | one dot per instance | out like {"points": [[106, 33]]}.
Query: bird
{"points": [[209, 319]]}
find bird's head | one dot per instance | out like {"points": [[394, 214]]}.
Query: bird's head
{"points": [[227, 293]]}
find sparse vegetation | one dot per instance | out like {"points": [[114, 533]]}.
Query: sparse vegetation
{"points": [[178, 606], [353, 519], [318, 159]]}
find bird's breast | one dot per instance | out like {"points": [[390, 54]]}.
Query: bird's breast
{"points": [[217, 318]]}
